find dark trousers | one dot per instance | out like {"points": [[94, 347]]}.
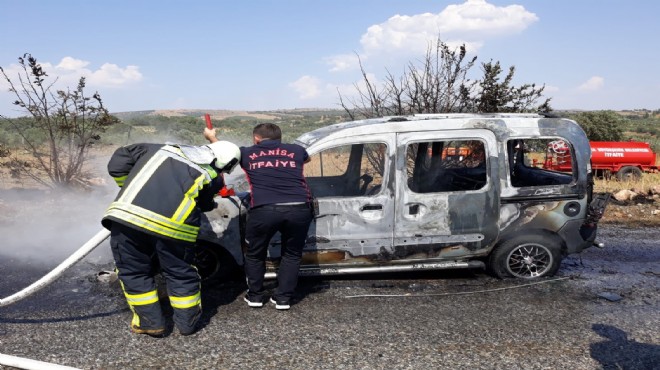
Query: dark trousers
{"points": [[137, 256], [292, 221]]}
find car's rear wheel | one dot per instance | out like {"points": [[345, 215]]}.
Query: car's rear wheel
{"points": [[526, 257]]}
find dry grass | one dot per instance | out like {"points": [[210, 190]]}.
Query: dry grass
{"points": [[640, 212], [95, 167], [643, 185]]}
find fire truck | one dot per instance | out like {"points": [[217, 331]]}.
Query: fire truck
{"points": [[624, 159]]}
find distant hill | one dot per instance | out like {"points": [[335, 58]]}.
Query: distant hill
{"points": [[220, 114]]}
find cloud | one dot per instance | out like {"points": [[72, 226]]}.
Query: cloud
{"points": [[69, 70], [111, 75], [477, 19], [71, 64], [342, 62], [592, 84], [307, 87], [471, 23], [313, 90]]}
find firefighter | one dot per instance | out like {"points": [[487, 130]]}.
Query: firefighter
{"points": [[154, 223]]}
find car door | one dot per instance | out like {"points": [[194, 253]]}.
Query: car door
{"points": [[448, 193], [351, 182]]}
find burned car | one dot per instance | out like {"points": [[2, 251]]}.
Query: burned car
{"points": [[431, 191]]}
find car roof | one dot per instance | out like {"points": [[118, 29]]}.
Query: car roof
{"points": [[502, 124]]}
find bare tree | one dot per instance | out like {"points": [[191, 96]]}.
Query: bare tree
{"points": [[63, 125], [439, 83]]}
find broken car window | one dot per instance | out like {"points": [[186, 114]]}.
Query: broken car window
{"points": [[348, 170], [441, 166], [540, 162]]}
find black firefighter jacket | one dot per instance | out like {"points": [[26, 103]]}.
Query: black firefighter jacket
{"points": [[162, 192]]}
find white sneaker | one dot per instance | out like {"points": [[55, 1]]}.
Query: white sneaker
{"points": [[255, 304], [280, 305]]}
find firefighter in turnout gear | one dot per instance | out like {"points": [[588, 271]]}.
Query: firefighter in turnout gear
{"points": [[154, 223]]}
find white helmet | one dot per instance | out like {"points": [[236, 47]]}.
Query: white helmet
{"points": [[227, 155]]}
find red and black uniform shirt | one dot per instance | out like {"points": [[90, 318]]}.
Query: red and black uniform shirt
{"points": [[275, 172]]}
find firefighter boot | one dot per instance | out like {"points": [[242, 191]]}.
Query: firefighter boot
{"points": [[186, 319], [148, 319]]}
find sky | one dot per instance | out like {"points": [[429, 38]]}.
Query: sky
{"points": [[266, 55]]}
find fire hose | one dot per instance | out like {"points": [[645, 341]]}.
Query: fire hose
{"points": [[83, 251], [26, 363]]}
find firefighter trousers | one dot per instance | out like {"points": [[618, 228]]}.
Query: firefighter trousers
{"points": [[139, 256]]}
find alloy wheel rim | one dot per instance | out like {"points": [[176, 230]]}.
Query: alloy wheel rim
{"points": [[529, 261]]}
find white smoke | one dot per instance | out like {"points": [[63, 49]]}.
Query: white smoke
{"points": [[45, 227]]}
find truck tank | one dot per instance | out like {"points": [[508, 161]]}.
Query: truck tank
{"points": [[625, 159], [614, 153]]}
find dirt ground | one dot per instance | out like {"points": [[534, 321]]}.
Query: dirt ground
{"points": [[643, 212]]}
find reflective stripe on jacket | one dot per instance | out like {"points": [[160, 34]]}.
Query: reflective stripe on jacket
{"points": [[162, 192]]}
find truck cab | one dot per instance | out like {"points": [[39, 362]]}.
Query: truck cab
{"points": [[433, 191]]}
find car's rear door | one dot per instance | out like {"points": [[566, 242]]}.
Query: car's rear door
{"points": [[448, 193]]}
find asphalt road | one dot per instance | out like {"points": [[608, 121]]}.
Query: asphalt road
{"points": [[599, 312]]}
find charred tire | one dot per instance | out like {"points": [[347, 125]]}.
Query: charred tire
{"points": [[628, 173], [526, 257], [214, 263]]}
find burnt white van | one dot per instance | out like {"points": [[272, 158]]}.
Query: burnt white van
{"points": [[431, 191]]}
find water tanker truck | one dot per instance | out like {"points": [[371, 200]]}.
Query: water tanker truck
{"points": [[623, 159]]}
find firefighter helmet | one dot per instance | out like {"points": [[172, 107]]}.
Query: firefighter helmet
{"points": [[227, 155]]}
